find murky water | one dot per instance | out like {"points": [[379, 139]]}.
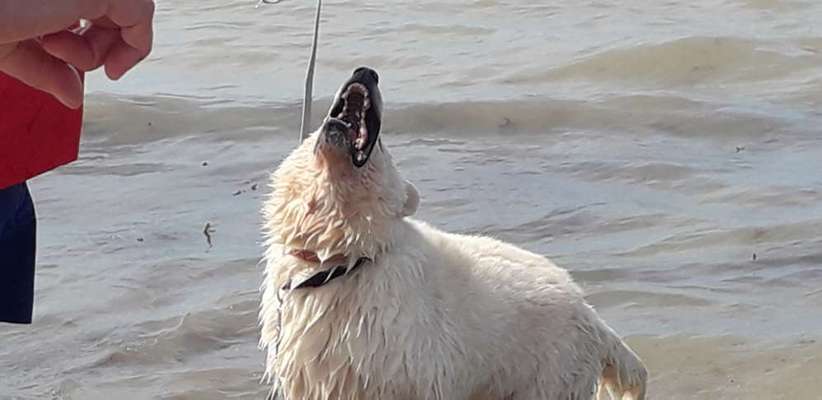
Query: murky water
{"points": [[667, 153]]}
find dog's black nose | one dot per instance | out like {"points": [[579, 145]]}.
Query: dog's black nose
{"points": [[365, 75]]}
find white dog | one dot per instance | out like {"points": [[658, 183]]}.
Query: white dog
{"points": [[362, 302]]}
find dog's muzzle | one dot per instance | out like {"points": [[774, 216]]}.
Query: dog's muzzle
{"points": [[355, 118]]}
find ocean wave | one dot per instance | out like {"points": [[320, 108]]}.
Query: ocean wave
{"points": [[685, 61], [118, 120]]}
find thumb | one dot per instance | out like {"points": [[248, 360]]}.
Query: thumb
{"points": [[30, 64]]}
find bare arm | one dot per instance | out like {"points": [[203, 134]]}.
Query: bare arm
{"points": [[37, 47]]}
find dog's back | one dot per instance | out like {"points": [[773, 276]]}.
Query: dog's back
{"points": [[529, 320]]}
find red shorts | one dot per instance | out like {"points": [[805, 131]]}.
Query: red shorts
{"points": [[37, 133]]}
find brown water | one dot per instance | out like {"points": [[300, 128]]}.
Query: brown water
{"points": [[653, 148]]}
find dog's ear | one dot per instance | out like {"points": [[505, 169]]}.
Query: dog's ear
{"points": [[412, 200]]}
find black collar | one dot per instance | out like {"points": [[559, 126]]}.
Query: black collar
{"points": [[322, 278]]}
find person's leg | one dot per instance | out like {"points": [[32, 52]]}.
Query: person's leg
{"points": [[18, 233]]}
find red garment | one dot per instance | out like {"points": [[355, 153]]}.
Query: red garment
{"points": [[37, 132]]}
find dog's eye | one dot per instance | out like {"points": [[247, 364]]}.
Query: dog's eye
{"points": [[375, 76]]}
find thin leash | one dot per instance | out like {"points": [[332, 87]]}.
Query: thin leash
{"points": [[304, 130], [305, 124]]}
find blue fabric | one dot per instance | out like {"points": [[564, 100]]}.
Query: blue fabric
{"points": [[18, 234]]}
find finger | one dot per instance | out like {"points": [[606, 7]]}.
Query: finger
{"points": [[121, 59], [85, 52], [134, 18], [105, 22], [26, 20], [139, 36], [128, 13], [32, 65]]}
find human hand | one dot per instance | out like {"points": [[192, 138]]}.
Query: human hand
{"points": [[42, 45]]}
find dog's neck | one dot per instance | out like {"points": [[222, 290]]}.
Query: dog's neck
{"points": [[312, 257], [316, 210], [332, 215], [326, 276]]}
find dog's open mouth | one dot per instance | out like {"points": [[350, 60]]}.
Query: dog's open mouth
{"points": [[355, 117], [356, 105]]}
